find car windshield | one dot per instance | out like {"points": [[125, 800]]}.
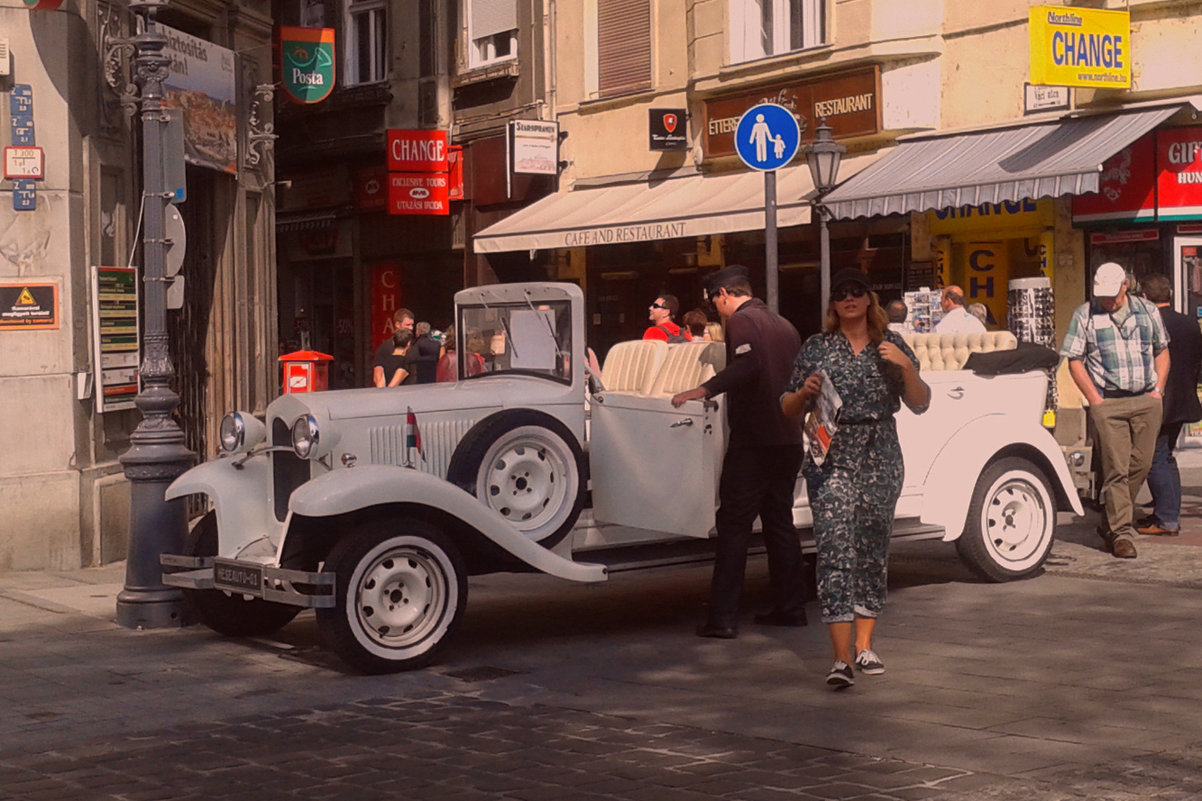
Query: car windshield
{"points": [[530, 339]]}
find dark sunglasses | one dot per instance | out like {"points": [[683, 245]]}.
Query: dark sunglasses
{"points": [[658, 306], [853, 291]]}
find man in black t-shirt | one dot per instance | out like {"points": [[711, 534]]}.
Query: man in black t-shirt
{"points": [[401, 318]]}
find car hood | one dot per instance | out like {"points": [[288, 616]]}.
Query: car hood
{"points": [[485, 392]]}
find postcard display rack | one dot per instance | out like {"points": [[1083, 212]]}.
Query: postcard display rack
{"points": [[924, 309], [1031, 317]]}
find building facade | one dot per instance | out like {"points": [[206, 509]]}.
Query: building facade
{"points": [[71, 262]]}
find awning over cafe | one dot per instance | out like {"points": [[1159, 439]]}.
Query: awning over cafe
{"points": [[1035, 160], [696, 205]]}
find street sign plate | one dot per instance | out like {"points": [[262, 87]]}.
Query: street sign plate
{"points": [[767, 136], [23, 162]]}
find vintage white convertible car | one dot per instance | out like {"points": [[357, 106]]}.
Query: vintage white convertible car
{"points": [[373, 506]]}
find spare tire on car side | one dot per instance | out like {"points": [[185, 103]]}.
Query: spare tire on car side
{"points": [[527, 467]]}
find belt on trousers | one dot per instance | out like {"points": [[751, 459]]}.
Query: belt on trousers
{"points": [[1122, 393], [867, 422]]}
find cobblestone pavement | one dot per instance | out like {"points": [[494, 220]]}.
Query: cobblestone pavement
{"points": [[1080, 684], [454, 747]]}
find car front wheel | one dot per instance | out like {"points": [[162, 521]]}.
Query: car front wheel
{"points": [[400, 592], [1011, 521]]}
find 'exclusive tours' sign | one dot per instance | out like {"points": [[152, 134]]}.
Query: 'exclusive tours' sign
{"points": [[1080, 47]]}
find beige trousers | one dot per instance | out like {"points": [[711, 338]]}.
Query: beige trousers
{"points": [[1125, 431]]}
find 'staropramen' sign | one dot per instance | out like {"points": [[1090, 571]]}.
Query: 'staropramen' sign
{"points": [[1080, 47]]}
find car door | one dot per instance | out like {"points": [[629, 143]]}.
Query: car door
{"points": [[656, 467]]}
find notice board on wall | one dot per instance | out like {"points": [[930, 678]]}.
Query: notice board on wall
{"points": [[116, 339]]}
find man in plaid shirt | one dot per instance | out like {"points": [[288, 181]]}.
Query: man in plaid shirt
{"points": [[1117, 351]]}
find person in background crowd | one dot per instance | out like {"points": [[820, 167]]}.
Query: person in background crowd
{"points": [[979, 311], [426, 351], [448, 367], [401, 318], [714, 333], [695, 323], [956, 319], [853, 492], [897, 311], [1180, 407], [762, 457], [662, 314], [396, 365], [1118, 356]]}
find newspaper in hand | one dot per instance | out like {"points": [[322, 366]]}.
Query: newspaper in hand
{"points": [[823, 419]]}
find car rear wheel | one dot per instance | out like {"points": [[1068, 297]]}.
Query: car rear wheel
{"points": [[224, 612], [400, 592], [1011, 521], [528, 468]]}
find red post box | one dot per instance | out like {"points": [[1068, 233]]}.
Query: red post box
{"points": [[306, 371]]}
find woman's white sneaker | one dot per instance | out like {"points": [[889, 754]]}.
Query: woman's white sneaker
{"points": [[869, 662]]}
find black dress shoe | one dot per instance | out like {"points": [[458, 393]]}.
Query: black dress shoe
{"points": [[717, 632], [775, 618]]}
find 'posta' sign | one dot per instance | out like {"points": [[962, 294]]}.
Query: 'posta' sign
{"points": [[1080, 47]]}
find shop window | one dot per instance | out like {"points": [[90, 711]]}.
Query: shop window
{"points": [[312, 13], [762, 28], [492, 31], [366, 42], [623, 47]]}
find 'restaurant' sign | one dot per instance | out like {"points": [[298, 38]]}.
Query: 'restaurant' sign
{"points": [[1080, 47], [667, 129], [307, 63], [849, 101], [417, 151]]}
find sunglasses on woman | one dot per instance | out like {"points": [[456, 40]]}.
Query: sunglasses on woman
{"points": [[853, 291]]}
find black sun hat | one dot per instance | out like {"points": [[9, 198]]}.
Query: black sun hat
{"points": [[849, 276]]}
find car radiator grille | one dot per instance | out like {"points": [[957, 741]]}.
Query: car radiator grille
{"points": [[439, 440], [288, 471]]}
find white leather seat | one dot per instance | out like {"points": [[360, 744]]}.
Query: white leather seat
{"points": [[687, 365], [950, 351], [631, 366]]}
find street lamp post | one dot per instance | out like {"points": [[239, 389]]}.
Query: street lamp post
{"points": [[157, 453], [823, 155]]}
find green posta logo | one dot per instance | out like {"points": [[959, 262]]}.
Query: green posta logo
{"points": [[307, 63]]}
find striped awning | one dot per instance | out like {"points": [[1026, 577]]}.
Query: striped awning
{"points": [[1049, 159], [695, 205]]}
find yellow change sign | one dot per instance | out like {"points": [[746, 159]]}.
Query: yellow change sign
{"points": [[1080, 47]]}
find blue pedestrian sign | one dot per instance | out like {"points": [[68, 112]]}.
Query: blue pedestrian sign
{"points": [[767, 136]]}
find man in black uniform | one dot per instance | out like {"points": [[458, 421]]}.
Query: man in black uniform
{"points": [[762, 457]]}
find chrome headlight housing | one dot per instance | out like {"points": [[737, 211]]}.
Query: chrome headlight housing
{"points": [[240, 432], [305, 437]]}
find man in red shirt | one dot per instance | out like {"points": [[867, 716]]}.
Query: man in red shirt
{"points": [[662, 314]]}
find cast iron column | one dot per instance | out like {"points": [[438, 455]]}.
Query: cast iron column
{"points": [[157, 453]]}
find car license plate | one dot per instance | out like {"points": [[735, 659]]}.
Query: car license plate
{"points": [[238, 576]]}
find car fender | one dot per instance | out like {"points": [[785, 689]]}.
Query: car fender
{"points": [[949, 484], [342, 491], [236, 487]]}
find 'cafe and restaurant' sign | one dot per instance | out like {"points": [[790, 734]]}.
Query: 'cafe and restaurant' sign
{"points": [[849, 101]]}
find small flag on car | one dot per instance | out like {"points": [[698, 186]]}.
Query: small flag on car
{"points": [[413, 437]]}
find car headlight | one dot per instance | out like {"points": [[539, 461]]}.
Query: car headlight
{"points": [[239, 432], [305, 436]]}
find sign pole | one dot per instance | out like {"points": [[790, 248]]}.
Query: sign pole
{"points": [[766, 139], [771, 270]]}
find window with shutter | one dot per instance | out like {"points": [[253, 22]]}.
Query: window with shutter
{"points": [[366, 40], [623, 46], [492, 31]]}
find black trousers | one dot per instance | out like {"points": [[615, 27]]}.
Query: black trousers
{"points": [[757, 482]]}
